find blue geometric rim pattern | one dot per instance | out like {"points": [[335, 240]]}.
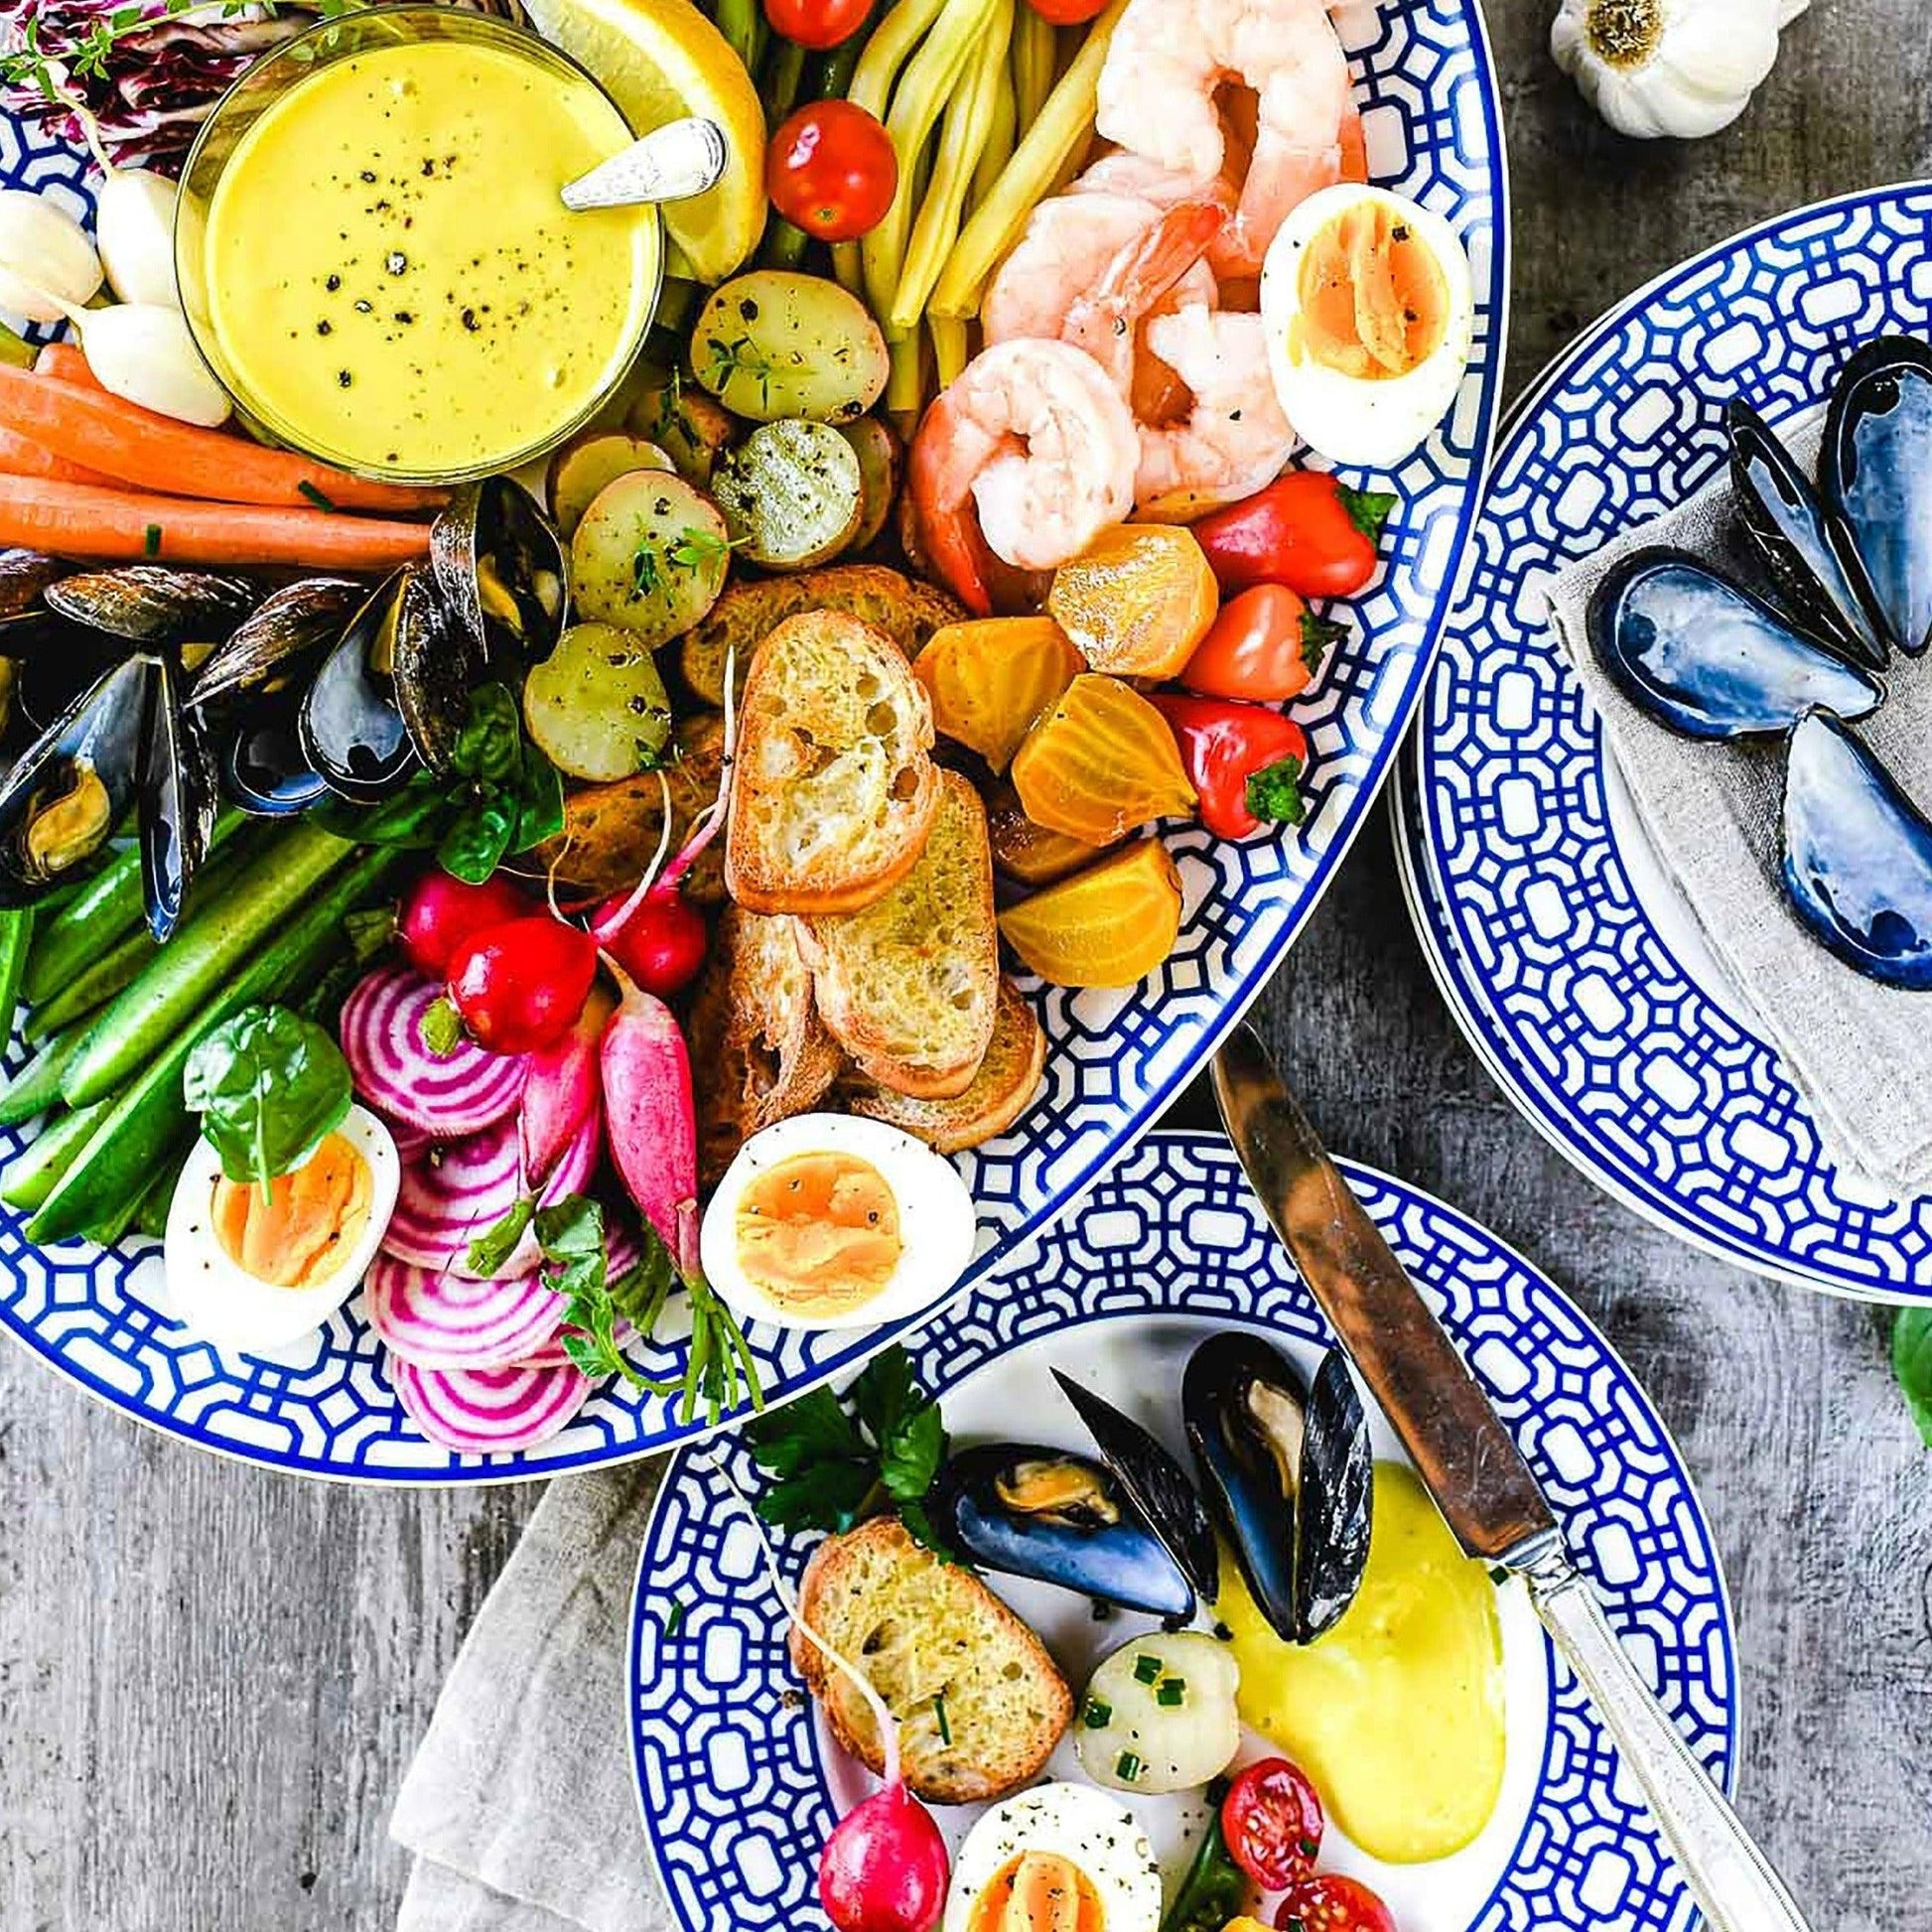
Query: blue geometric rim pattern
{"points": [[729, 1775], [1427, 86], [1552, 964]]}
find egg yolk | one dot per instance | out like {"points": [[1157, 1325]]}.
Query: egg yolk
{"points": [[1373, 300], [312, 1217], [818, 1233], [1039, 1892], [1396, 1711]]}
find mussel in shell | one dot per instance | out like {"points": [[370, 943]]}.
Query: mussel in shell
{"points": [[174, 797], [502, 569], [1288, 1475], [1875, 471], [1058, 1518], [350, 724], [1154, 1484], [1704, 656], [434, 664], [1856, 855], [1808, 552], [154, 604]]}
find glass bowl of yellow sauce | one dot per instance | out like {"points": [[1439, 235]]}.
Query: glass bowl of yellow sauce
{"points": [[375, 258]]}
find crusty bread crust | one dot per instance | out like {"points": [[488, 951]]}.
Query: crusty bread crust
{"points": [[1000, 1091], [927, 1631]]}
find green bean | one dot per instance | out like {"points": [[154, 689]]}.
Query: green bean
{"points": [[785, 246], [828, 73], [998, 150], [949, 355], [782, 79], [741, 23], [1034, 55]]}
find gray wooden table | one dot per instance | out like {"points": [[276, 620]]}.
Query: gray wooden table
{"points": [[210, 1678]]}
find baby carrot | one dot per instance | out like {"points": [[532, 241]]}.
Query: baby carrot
{"points": [[66, 363], [21, 456]]}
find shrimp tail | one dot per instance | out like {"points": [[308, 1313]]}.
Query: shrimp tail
{"points": [[949, 539]]}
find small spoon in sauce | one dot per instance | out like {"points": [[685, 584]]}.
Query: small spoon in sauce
{"points": [[670, 164]]}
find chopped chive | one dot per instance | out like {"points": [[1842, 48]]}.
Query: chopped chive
{"points": [[313, 496], [675, 1618], [1171, 1691], [150, 540], [1098, 1714], [1126, 1767], [1147, 1670], [939, 1715]]}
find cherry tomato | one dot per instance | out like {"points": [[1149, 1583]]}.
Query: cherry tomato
{"points": [[1067, 13], [521, 985], [1272, 1820], [440, 912], [1267, 644], [1307, 530], [1332, 1903], [817, 23], [831, 171], [662, 945]]}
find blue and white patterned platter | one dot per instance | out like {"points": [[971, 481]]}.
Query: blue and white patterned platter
{"points": [[1431, 121], [739, 1784], [1574, 971]]}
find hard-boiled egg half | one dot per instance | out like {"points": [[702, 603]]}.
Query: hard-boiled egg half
{"points": [[250, 1273], [832, 1221], [1054, 1843], [1368, 310]]}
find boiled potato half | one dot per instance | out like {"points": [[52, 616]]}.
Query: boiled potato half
{"points": [[878, 450], [649, 555], [685, 423], [582, 468], [792, 495], [776, 344], [595, 707]]}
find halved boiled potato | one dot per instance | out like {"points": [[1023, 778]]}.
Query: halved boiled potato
{"points": [[792, 495], [776, 344], [595, 707], [685, 423], [649, 555], [581, 469]]}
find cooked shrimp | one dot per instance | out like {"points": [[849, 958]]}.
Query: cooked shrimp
{"points": [[1158, 99], [1147, 274], [1122, 174], [1235, 439], [1034, 438]]}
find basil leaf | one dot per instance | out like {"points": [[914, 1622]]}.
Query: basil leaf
{"points": [[268, 1085], [1911, 1362], [491, 744], [474, 846], [539, 803]]}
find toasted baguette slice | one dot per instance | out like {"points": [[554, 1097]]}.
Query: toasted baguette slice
{"points": [[759, 1049], [922, 1630], [1000, 1092], [908, 611], [909, 986], [836, 788]]}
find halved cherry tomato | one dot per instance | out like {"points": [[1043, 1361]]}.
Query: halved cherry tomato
{"points": [[817, 23], [1266, 645], [1068, 12], [831, 171], [1272, 1820], [1307, 530], [1332, 1903]]}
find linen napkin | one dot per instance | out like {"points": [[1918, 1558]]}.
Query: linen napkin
{"points": [[1861, 1054], [519, 1804]]}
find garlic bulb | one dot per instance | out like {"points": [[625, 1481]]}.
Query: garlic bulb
{"points": [[1682, 68]]}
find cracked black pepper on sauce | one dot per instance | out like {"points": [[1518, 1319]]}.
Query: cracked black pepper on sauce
{"points": [[393, 279]]}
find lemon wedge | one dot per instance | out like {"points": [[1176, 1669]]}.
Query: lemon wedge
{"points": [[658, 59]]}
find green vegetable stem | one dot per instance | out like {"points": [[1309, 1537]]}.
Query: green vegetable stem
{"points": [[1216, 1889]]}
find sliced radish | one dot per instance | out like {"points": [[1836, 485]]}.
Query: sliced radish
{"points": [[485, 1411], [456, 1192], [397, 1074], [441, 1319]]}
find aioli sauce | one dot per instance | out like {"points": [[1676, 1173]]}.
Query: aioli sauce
{"points": [[392, 280], [1396, 1711], [819, 1233]]}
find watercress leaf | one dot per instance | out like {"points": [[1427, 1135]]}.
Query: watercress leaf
{"points": [[1912, 1361], [814, 1429], [495, 1245], [268, 1084], [883, 1391], [825, 1496], [909, 1457]]}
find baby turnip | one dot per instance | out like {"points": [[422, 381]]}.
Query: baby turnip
{"points": [[142, 352], [134, 224], [48, 266]]}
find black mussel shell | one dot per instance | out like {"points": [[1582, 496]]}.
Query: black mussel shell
{"points": [[55, 661], [1807, 551], [502, 569], [261, 766], [155, 603], [24, 578], [351, 726], [1287, 1473], [176, 797], [1875, 471], [1704, 656], [435, 665], [1154, 1483], [280, 643], [65, 793], [1858, 855], [1061, 1519]]}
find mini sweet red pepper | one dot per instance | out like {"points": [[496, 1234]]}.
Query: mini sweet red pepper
{"points": [[1245, 760], [1305, 530]]}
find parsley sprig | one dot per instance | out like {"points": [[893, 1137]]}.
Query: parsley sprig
{"points": [[834, 1468]]}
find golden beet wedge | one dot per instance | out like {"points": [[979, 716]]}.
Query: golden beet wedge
{"points": [[1100, 763], [1109, 925], [990, 679], [1138, 599]]}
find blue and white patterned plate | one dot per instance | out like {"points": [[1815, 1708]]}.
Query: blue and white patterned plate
{"points": [[738, 1785], [1577, 977], [1431, 117]]}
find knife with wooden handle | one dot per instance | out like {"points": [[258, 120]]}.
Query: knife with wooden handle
{"points": [[1471, 1466]]}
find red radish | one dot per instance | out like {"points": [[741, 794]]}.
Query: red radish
{"points": [[441, 912], [660, 942], [562, 1089], [485, 1411], [395, 1070], [520, 986], [651, 1123]]}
